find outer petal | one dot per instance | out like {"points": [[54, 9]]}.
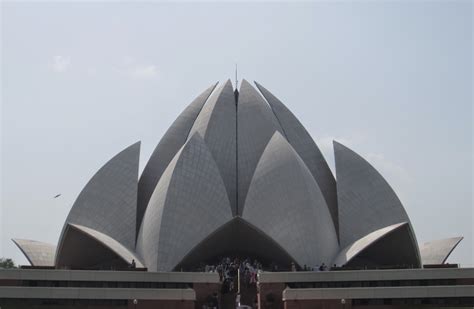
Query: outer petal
{"points": [[189, 203], [217, 125], [84, 247], [256, 125], [36, 252], [438, 251], [108, 202], [306, 148], [169, 145], [366, 201], [285, 202], [391, 245]]}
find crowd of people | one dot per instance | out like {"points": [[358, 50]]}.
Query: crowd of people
{"points": [[322, 267], [228, 269]]}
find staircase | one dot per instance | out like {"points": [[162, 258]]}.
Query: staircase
{"points": [[248, 294]]}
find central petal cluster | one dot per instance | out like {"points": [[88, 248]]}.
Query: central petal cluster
{"points": [[226, 157], [236, 173]]}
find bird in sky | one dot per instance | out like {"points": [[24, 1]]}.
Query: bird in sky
{"points": [[58, 195]]}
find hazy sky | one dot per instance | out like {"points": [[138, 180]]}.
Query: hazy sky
{"points": [[392, 80]]}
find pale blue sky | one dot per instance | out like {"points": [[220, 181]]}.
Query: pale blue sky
{"points": [[392, 80]]}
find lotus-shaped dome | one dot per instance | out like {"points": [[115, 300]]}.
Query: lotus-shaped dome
{"points": [[236, 173]]}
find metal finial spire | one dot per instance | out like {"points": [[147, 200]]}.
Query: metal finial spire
{"points": [[236, 79]]}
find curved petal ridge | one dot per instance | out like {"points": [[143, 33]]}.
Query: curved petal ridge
{"points": [[438, 251], [36, 252], [285, 202], [189, 203], [307, 149], [352, 250], [256, 125], [365, 199], [392, 246], [216, 124], [169, 145], [149, 232], [108, 202], [86, 248], [124, 253]]}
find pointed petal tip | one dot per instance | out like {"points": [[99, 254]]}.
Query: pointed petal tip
{"points": [[212, 87], [131, 147], [338, 145], [278, 135], [228, 85], [135, 147], [259, 86]]}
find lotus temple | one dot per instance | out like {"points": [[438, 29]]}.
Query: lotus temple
{"points": [[238, 175]]}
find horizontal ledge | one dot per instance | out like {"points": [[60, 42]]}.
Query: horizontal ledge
{"points": [[379, 292], [115, 276], [366, 275], [96, 293]]}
